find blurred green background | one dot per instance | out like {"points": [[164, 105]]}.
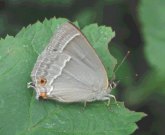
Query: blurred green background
{"points": [[139, 27]]}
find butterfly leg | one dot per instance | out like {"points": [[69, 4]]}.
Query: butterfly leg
{"points": [[106, 98], [109, 101], [85, 104], [112, 96]]}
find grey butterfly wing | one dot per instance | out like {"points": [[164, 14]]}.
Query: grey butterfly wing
{"points": [[80, 74], [47, 57], [49, 65], [50, 62], [84, 74]]}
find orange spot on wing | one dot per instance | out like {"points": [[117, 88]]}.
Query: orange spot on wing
{"points": [[43, 95]]}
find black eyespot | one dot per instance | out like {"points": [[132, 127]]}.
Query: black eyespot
{"points": [[42, 81]]}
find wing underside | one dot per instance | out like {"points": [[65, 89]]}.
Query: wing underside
{"points": [[83, 74]]}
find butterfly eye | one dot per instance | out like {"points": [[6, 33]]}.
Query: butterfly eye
{"points": [[42, 81]]}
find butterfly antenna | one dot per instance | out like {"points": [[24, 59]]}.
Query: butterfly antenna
{"points": [[125, 57], [127, 77]]}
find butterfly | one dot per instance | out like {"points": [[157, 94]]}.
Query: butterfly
{"points": [[69, 70]]}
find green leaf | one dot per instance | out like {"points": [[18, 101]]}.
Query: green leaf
{"points": [[153, 19], [22, 114]]}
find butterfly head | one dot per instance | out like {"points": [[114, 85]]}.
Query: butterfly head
{"points": [[113, 84]]}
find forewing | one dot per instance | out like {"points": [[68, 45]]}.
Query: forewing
{"points": [[69, 40]]}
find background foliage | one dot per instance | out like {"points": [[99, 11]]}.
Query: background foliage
{"points": [[139, 27]]}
